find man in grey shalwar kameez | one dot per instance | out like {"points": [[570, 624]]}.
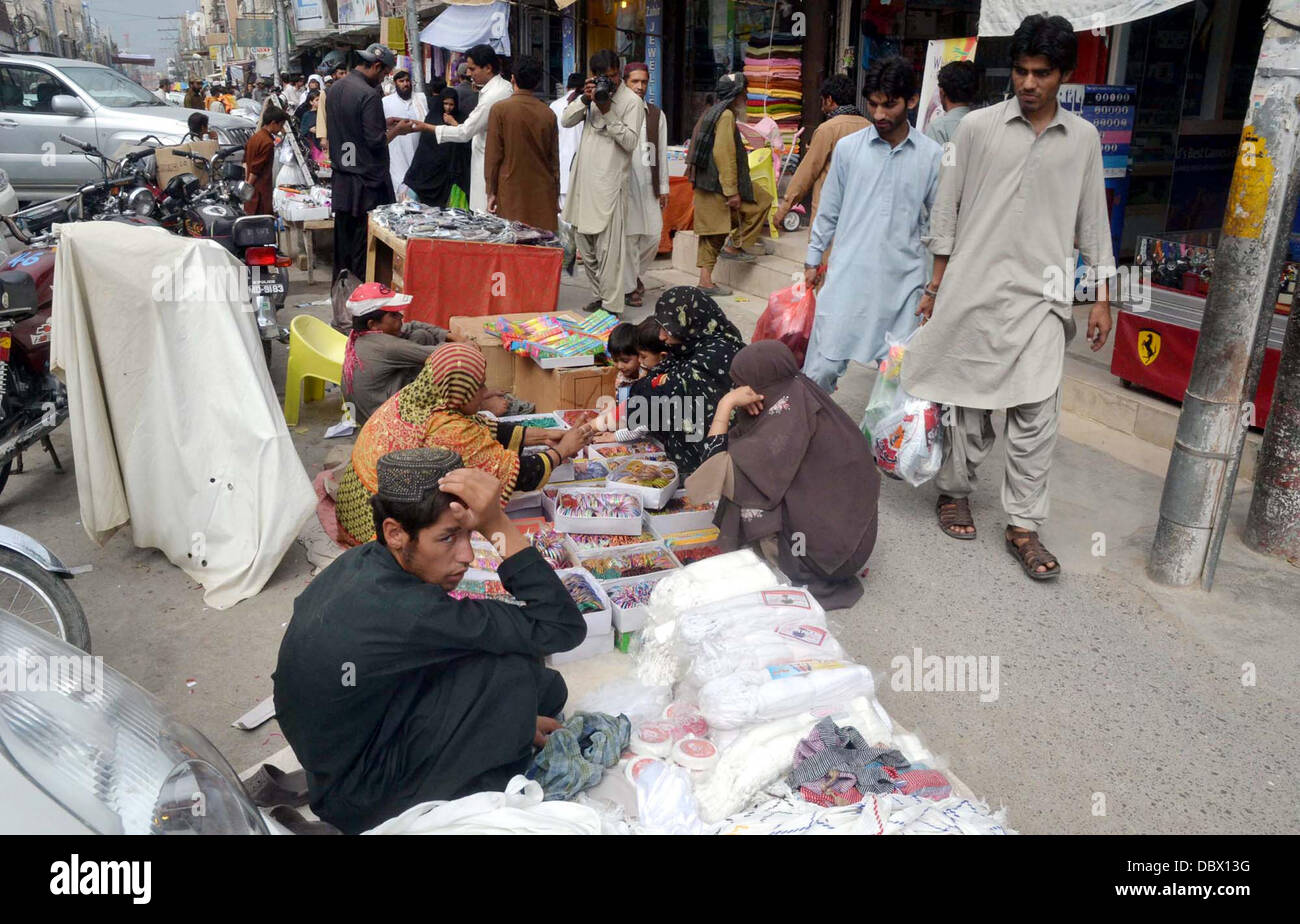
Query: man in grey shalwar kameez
{"points": [[1024, 188], [596, 206], [875, 203]]}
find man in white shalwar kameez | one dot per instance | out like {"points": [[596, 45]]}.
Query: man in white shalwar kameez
{"points": [[647, 188], [484, 69], [1023, 189], [597, 206], [403, 104], [874, 204], [569, 137]]}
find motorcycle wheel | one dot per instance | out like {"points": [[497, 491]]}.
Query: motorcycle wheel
{"points": [[33, 594]]}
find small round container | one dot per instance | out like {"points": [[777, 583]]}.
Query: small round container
{"points": [[653, 739], [674, 710], [636, 766], [687, 725], [695, 754]]}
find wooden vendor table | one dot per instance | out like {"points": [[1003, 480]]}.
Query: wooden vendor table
{"points": [[302, 246], [451, 278]]}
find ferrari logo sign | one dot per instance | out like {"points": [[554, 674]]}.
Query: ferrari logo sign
{"points": [[1148, 345]]}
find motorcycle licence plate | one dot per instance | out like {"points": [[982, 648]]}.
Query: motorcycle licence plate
{"points": [[266, 287]]}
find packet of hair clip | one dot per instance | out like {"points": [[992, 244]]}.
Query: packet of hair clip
{"points": [[654, 482], [636, 449], [586, 542], [599, 511]]}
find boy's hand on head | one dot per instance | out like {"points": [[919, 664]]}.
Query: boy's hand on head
{"points": [[478, 496]]}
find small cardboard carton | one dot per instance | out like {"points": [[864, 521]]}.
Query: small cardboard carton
{"points": [[500, 362], [603, 525], [561, 389], [171, 164]]}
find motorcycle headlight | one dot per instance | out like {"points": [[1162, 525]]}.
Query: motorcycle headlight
{"points": [[107, 751], [140, 200], [244, 191]]}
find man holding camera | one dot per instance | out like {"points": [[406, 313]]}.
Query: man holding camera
{"points": [[596, 207]]}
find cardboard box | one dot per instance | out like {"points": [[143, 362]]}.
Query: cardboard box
{"points": [[599, 622], [593, 645], [170, 165], [631, 618], [612, 525], [561, 389], [500, 362]]}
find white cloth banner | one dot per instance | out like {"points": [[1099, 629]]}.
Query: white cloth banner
{"points": [[1001, 17], [175, 426], [460, 28]]}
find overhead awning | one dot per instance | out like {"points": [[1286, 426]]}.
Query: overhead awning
{"points": [[1001, 17], [461, 27]]}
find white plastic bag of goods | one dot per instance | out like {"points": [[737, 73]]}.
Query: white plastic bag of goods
{"points": [[752, 631], [761, 754], [697, 584], [746, 697], [175, 426], [518, 810]]}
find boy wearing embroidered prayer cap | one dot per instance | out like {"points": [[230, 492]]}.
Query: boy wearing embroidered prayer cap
{"points": [[393, 693]]}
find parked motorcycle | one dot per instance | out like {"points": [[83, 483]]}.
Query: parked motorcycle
{"points": [[32, 401], [215, 212], [34, 587]]}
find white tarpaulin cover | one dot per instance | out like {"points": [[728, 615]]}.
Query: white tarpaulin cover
{"points": [[460, 28], [175, 426], [1000, 17]]}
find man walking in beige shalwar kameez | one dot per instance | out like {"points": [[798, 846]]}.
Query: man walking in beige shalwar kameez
{"points": [[596, 206], [1025, 187]]}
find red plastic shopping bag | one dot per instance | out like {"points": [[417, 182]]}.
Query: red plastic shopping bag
{"points": [[789, 318]]}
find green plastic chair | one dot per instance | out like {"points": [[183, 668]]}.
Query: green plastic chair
{"points": [[315, 357]]}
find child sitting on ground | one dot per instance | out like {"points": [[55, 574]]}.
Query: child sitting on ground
{"points": [[635, 352]]}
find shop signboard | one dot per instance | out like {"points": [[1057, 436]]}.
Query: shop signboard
{"points": [[358, 12], [938, 53], [1113, 111], [254, 33], [309, 14], [654, 27]]}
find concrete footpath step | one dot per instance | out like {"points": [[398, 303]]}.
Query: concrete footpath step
{"points": [[1090, 391]]}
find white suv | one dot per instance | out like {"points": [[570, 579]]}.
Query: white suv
{"points": [[43, 97]]}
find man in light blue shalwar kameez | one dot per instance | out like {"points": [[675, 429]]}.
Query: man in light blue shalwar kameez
{"points": [[875, 206]]}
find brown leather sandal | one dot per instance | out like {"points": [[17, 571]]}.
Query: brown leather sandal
{"points": [[955, 511], [1031, 553]]}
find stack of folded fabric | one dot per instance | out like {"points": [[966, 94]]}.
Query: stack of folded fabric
{"points": [[774, 71]]}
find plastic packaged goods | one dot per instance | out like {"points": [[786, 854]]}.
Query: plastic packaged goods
{"points": [[779, 690], [754, 631], [412, 219], [762, 754], [665, 801], [486, 556], [625, 696], [482, 585], [641, 448], [708, 581], [639, 472]]}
